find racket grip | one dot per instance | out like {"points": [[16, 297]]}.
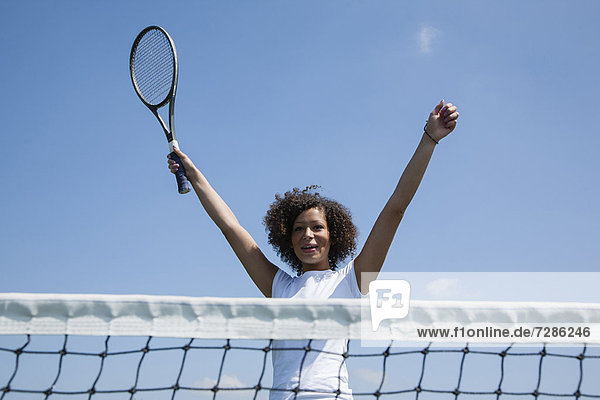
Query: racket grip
{"points": [[183, 185]]}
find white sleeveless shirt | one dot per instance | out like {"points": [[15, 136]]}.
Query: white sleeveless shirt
{"points": [[323, 369]]}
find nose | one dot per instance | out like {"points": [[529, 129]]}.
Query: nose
{"points": [[308, 233]]}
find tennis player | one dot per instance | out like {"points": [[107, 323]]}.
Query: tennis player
{"points": [[313, 234]]}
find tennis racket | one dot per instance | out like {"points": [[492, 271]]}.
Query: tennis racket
{"points": [[153, 67]]}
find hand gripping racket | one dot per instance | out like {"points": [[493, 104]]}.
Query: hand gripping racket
{"points": [[153, 67]]}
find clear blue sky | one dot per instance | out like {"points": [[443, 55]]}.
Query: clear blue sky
{"points": [[278, 94]]}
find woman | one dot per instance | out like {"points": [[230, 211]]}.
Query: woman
{"points": [[312, 234]]}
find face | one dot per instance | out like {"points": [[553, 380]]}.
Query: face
{"points": [[310, 240]]}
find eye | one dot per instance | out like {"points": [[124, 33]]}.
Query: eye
{"points": [[318, 227], [298, 229]]}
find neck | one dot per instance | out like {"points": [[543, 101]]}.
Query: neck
{"points": [[306, 268]]}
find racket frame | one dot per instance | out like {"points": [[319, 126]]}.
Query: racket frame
{"points": [[169, 130]]}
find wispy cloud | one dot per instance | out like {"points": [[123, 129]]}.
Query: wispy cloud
{"points": [[369, 375], [427, 35], [443, 288], [227, 381]]}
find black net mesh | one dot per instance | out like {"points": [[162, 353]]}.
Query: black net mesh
{"points": [[153, 66], [79, 367]]}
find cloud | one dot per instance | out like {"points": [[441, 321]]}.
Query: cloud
{"points": [[427, 34], [443, 288], [227, 381], [368, 375]]}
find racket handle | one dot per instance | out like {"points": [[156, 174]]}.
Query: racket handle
{"points": [[183, 185]]}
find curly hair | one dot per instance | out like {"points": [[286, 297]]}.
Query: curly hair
{"points": [[285, 209]]}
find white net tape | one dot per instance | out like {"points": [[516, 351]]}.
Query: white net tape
{"points": [[257, 318]]}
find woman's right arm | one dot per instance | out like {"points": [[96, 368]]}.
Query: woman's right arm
{"points": [[261, 270]]}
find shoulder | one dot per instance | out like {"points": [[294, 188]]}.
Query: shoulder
{"points": [[281, 281], [349, 278]]}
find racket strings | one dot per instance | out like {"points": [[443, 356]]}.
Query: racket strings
{"points": [[155, 72], [153, 67]]}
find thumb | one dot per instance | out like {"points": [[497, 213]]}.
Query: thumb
{"points": [[183, 159], [179, 153]]}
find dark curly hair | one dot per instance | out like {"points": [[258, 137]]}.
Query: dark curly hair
{"points": [[284, 211]]}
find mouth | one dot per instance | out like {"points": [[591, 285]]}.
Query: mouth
{"points": [[309, 248]]}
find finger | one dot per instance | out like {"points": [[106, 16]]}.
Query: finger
{"points": [[449, 109], [438, 108], [451, 117], [450, 124]]}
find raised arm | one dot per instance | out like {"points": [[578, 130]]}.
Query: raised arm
{"points": [[261, 270], [441, 122]]}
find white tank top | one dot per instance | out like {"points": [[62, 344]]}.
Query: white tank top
{"points": [[323, 368]]}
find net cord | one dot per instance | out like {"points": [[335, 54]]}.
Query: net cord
{"points": [[256, 318]]}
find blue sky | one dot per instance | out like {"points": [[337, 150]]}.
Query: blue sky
{"points": [[280, 94]]}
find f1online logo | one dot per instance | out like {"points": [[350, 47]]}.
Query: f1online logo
{"points": [[388, 299]]}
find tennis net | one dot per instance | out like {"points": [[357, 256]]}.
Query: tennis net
{"points": [[151, 347]]}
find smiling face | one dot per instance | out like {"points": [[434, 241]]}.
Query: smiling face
{"points": [[310, 239]]}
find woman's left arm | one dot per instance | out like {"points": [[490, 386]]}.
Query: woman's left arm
{"points": [[441, 122]]}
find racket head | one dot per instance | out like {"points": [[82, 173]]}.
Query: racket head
{"points": [[153, 67]]}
